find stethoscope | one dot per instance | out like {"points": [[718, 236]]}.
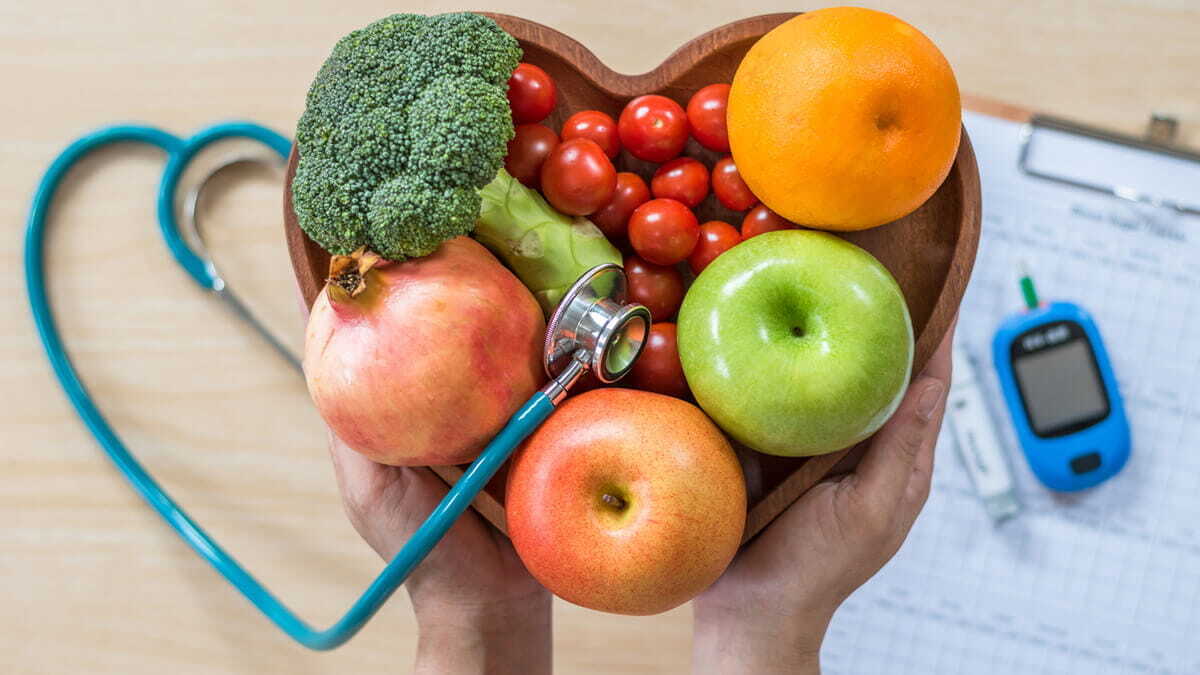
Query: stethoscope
{"points": [[592, 330]]}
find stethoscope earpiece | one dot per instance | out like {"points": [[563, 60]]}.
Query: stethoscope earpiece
{"points": [[199, 244]]}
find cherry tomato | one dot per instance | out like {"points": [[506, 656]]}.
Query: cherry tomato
{"points": [[728, 186], [527, 151], [595, 125], [658, 287], [613, 217], [663, 231], [682, 179], [716, 237], [761, 219], [531, 94], [578, 178], [653, 128], [706, 115], [658, 368]]}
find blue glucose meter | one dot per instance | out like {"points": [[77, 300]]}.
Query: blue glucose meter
{"points": [[1062, 395]]}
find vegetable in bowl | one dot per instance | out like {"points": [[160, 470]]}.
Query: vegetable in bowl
{"points": [[547, 250], [406, 120], [401, 148]]}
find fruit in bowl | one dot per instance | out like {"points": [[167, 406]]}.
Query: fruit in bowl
{"points": [[626, 501], [844, 118], [386, 343], [796, 342]]}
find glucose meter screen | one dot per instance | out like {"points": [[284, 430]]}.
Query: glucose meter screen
{"points": [[1061, 387]]}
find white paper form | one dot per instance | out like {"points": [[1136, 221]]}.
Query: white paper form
{"points": [[1103, 581]]}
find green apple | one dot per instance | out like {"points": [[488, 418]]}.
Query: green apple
{"points": [[796, 342]]}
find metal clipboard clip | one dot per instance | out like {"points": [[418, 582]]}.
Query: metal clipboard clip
{"points": [[1159, 138]]}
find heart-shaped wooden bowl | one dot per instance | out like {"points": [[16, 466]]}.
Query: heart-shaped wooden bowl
{"points": [[930, 251]]}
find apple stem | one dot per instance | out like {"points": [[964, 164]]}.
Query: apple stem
{"points": [[613, 501]]}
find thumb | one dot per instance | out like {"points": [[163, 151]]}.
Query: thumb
{"points": [[885, 470], [902, 451]]}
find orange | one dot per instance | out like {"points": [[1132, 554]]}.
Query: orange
{"points": [[844, 118]]}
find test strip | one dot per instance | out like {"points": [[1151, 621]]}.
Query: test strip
{"points": [[979, 446]]}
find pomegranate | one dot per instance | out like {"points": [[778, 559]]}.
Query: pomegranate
{"points": [[421, 362]]}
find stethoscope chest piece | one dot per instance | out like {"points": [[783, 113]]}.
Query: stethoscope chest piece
{"points": [[594, 329]]}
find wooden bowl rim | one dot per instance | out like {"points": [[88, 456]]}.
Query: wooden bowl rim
{"points": [[626, 85]]}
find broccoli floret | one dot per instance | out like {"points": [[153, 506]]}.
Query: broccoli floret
{"points": [[440, 150], [335, 195], [466, 44], [405, 120], [410, 218]]}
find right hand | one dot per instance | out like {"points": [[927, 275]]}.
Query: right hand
{"points": [[477, 607], [769, 612]]}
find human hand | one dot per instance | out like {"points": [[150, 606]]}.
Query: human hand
{"points": [[478, 609], [770, 610]]}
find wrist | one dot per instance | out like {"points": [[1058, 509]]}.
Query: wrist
{"points": [[726, 642], [484, 638]]}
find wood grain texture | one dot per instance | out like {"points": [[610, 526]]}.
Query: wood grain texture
{"points": [[930, 251], [994, 108], [91, 580]]}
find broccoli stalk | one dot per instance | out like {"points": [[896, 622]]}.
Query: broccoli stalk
{"points": [[547, 250]]}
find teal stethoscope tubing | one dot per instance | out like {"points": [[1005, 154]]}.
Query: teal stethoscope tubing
{"points": [[179, 152]]}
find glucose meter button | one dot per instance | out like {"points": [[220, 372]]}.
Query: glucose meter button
{"points": [[1085, 463]]}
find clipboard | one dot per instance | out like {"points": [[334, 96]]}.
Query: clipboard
{"points": [[1160, 138]]}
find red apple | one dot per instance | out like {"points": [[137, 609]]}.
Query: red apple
{"points": [[626, 501]]}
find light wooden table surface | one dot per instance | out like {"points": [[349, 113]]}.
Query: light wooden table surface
{"points": [[90, 580]]}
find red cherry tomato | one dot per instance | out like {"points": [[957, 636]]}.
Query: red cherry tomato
{"points": [[578, 178], [706, 115], [761, 219], [682, 179], [663, 231], [527, 151], [658, 368], [716, 237], [653, 128], [658, 287], [613, 217], [728, 186], [531, 94], [595, 125]]}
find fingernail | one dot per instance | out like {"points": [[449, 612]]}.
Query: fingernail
{"points": [[928, 400]]}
